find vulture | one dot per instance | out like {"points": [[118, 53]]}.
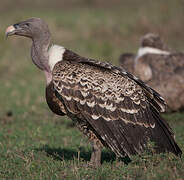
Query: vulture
{"points": [[110, 106], [152, 45], [161, 68]]}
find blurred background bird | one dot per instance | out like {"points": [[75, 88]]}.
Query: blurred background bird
{"points": [[160, 67]]}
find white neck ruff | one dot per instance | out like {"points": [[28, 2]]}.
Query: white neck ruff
{"points": [[55, 55], [149, 50]]}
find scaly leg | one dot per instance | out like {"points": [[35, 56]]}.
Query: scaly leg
{"points": [[96, 154]]}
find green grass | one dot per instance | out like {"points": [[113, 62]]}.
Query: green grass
{"points": [[39, 145], [34, 143]]}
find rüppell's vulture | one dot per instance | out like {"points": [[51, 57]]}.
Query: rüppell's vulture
{"points": [[161, 68], [110, 106]]}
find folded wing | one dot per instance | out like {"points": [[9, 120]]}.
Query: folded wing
{"points": [[121, 109]]}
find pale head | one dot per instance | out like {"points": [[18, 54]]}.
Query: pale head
{"points": [[152, 40], [43, 57], [34, 28]]}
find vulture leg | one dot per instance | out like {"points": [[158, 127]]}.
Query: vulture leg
{"points": [[96, 154]]}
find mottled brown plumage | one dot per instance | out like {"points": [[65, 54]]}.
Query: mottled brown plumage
{"points": [[109, 105]]}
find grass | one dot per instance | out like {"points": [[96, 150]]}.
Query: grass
{"points": [[34, 143]]}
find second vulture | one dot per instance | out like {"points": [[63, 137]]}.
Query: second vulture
{"points": [[160, 67]]}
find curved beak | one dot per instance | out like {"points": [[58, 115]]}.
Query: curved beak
{"points": [[11, 30]]}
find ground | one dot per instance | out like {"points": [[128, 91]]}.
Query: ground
{"points": [[35, 143]]}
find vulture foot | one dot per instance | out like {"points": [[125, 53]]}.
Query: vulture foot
{"points": [[96, 155]]}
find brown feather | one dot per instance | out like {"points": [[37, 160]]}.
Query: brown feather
{"points": [[53, 102], [118, 107]]}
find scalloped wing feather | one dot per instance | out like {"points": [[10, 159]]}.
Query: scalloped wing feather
{"points": [[113, 103]]}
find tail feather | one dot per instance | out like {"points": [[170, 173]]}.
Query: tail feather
{"points": [[163, 136]]}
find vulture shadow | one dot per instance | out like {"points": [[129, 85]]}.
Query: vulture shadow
{"points": [[61, 154]]}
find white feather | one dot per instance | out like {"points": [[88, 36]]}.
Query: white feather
{"points": [[55, 55], [149, 50]]}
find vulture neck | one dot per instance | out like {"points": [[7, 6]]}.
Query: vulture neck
{"points": [[40, 56]]}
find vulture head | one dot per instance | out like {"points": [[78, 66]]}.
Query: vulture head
{"points": [[34, 28], [37, 30], [153, 41]]}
